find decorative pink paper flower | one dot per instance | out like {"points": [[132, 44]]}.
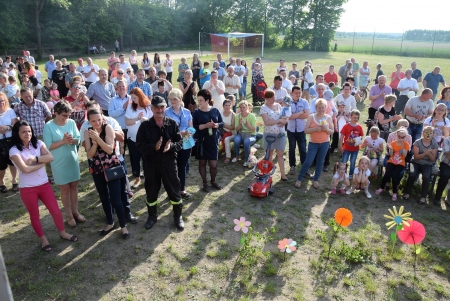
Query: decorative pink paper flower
{"points": [[241, 224], [287, 245]]}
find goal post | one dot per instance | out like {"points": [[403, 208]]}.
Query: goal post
{"points": [[232, 43]]}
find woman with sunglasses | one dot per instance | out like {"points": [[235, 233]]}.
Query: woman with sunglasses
{"points": [[398, 149], [77, 100], [425, 154], [130, 76], [62, 136]]}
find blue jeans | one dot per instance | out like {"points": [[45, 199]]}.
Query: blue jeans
{"points": [[352, 156], [247, 143], [319, 149], [415, 130], [298, 138], [243, 90]]}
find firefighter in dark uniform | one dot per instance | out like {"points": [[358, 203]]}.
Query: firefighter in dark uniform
{"points": [[159, 140]]}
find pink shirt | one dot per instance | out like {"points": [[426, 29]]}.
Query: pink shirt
{"points": [[35, 178]]}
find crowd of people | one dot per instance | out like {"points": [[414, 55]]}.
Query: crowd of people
{"points": [[133, 105]]}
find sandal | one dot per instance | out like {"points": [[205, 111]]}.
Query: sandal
{"points": [[316, 184], [15, 187], [3, 189], [185, 195], [71, 222], [227, 160], [205, 187], [51, 180], [298, 184], [405, 197], [216, 185], [79, 218], [73, 238], [46, 248]]}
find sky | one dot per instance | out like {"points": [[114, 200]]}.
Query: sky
{"points": [[394, 15]]}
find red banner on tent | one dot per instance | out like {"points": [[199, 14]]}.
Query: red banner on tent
{"points": [[218, 44]]}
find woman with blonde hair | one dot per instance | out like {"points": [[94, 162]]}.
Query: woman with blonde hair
{"points": [[134, 61]]}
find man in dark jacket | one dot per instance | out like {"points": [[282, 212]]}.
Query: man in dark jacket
{"points": [[159, 140]]}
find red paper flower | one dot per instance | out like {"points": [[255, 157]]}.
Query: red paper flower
{"points": [[343, 217], [412, 234]]}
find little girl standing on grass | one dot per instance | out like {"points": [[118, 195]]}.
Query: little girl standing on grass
{"points": [[361, 177], [374, 146], [340, 176]]}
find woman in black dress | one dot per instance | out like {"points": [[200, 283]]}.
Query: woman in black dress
{"points": [[59, 78], [195, 67], [207, 121]]}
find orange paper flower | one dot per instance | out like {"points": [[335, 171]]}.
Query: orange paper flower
{"points": [[343, 217]]}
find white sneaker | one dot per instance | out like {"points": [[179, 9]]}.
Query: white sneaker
{"points": [[350, 191], [245, 164], [368, 195]]}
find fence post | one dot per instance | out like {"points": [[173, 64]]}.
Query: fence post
{"points": [[401, 44], [354, 33], [373, 39], [432, 47]]}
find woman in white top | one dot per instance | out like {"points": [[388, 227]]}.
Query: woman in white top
{"points": [[308, 81], [439, 122], [134, 61], [145, 63], [30, 156], [228, 126], [7, 119], [137, 112], [271, 115], [364, 73], [217, 89]]}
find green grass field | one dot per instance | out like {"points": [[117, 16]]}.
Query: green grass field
{"points": [[207, 262]]}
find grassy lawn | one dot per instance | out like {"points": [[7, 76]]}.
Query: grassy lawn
{"points": [[207, 262]]}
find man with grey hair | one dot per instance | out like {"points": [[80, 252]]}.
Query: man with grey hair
{"points": [[432, 80], [152, 77], [90, 72], [342, 73], [405, 85], [418, 109], [220, 71], [376, 95], [118, 106], [71, 74], [30, 58], [102, 91], [50, 66]]}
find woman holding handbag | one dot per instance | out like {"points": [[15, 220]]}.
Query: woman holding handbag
{"points": [[183, 118], [189, 88], [100, 147]]}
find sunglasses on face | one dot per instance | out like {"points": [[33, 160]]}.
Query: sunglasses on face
{"points": [[128, 71], [401, 137], [121, 73], [76, 87]]}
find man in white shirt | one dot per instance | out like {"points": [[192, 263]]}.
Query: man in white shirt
{"points": [[168, 63], [280, 92], [287, 84], [239, 70], [30, 59], [232, 82], [90, 73], [405, 85], [80, 67], [123, 64]]}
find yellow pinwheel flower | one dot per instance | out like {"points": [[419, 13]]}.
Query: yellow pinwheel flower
{"points": [[397, 217]]}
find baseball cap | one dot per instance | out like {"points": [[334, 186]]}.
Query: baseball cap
{"points": [[158, 101], [328, 95]]}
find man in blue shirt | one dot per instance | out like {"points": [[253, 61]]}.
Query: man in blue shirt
{"points": [[296, 127], [432, 80], [50, 66], [141, 84], [221, 62], [416, 73]]}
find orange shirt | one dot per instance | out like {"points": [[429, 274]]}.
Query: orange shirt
{"points": [[397, 157], [318, 137]]}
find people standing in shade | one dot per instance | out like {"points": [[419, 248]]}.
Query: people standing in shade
{"points": [[116, 44], [62, 137], [137, 112], [356, 67], [207, 120], [102, 91], [417, 109], [432, 80], [232, 84], [205, 74], [159, 141], [273, 121], [59, 78], [30, 155], [228, 117], [100, 148], [183, 118], [405, 85]]}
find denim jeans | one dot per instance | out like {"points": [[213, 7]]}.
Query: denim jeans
{"points": [[111, 194], [423, 169], [298, 138], [247, 143], [243, 90], [415, 130], [135, 158], [352, 156], [319, 149]]}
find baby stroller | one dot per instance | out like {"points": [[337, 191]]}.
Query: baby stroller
{"points": [[262, 183], [261, 86]]}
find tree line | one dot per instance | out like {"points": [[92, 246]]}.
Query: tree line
{"points": [[303, 24]]}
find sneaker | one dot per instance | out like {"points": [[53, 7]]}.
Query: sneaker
{"points": [[350, 191], [245, 164], [378, 191], [292, 170], [333, 191], [368, 195]]}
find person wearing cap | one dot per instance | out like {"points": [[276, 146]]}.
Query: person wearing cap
{"points": [[49, 66], [405, 85], [159, 140], [296, 127]]}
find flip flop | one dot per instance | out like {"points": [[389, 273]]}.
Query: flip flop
{"points": [[46, 248], [3, 189], [15, 187], [73, 238]]}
